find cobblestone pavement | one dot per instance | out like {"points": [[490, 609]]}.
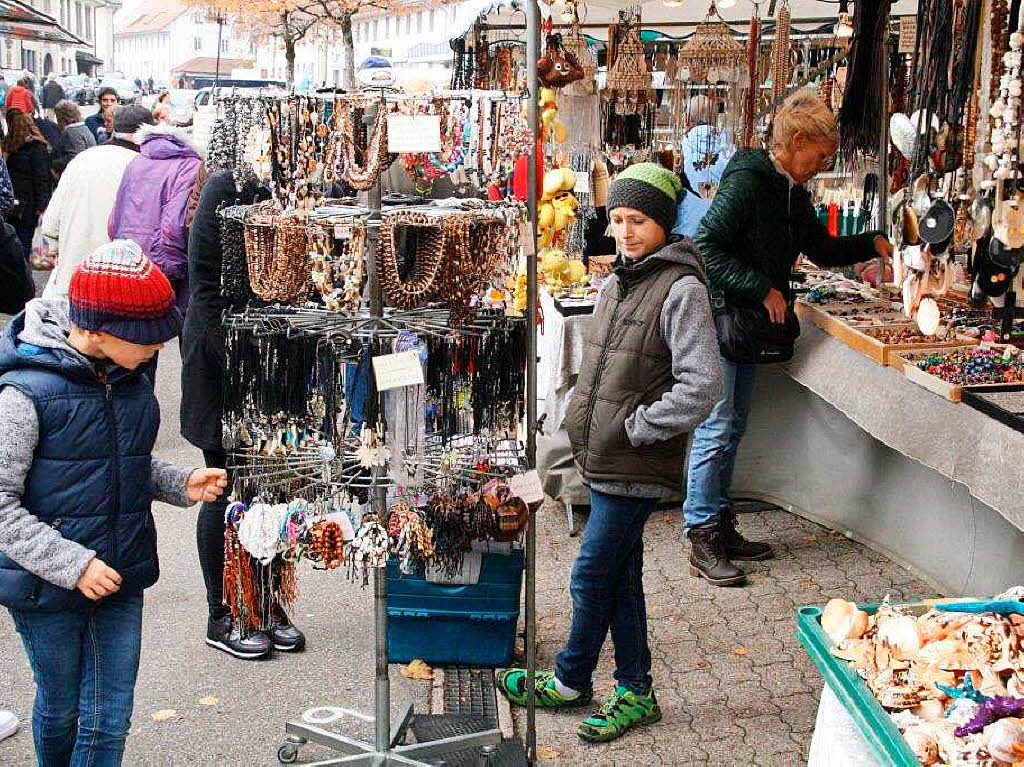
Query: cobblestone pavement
{"points": [[735, 685]]}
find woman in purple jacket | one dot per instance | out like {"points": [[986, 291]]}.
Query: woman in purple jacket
{"points": [[152, 199]]}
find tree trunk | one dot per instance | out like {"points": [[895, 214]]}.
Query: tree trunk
{"points": [[289, 58], [348, 54], [289, 51]]}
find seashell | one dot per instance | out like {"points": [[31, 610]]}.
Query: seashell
{"points": [[923, 744], [961, 711], [1015, 685], [996, 110], [1014, 58], [901, 634], [1016, 41], [991, 162], [901, 132], [988, 683], [855, 651], [899, 697], [1005, 739], [1016, 88], [931, 710], [842, 620]]}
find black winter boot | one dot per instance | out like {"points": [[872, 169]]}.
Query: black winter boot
{"points": [[736, 546], [707, 556]]}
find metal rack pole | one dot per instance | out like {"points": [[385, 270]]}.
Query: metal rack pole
{"points": [[532, 56], [883, 152]]}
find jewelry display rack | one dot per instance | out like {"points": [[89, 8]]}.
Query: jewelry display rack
{"points": [[386, 748]]}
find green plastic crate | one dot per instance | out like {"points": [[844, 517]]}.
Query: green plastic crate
{"points": [[872, 720]]}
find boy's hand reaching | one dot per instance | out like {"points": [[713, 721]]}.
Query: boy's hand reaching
{"points": [[98, 580], [206, 484]]}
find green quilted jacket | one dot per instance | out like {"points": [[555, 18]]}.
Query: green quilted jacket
{"points": [[758, 225]]}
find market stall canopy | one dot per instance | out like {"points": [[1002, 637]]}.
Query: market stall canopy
{"points": [[675, 20], [24, 22]]}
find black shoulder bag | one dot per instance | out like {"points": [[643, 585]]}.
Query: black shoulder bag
{"points": [[747, 335]]}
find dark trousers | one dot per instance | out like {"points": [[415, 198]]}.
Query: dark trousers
{"points": [[26, 229], [607, 591], [210, 540]]}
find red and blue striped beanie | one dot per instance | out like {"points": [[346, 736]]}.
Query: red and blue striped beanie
{"points": [[119, 291]]}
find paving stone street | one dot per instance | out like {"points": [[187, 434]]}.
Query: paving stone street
{"points": [[733, 682]]}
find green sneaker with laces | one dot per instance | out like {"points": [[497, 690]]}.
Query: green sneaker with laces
{"points": [[512, 683], [623, 711]]}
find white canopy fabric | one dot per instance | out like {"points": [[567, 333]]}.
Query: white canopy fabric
{"points": [[674, 20]]}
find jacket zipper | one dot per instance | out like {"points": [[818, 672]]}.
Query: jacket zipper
{"points": [[116, 515], [592, 399]]}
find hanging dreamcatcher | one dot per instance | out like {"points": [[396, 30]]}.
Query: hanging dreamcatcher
{"points": [[712, 77], [628, 96], [575, 43]]}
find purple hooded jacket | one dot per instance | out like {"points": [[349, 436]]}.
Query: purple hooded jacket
{"points": [[151, 202]]}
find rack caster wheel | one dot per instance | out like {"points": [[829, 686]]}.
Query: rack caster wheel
{"points": [[288, 753]]}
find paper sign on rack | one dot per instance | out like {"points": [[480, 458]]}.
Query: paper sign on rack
{"points": [[414, 133], [527, 487], [393, 371], [582, 182]]}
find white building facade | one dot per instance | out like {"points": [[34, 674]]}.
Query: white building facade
{"points": [[91, 21], [415, 40], [167, 35]]}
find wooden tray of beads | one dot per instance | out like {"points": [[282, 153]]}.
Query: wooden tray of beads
{"points": [[906, 362], [864, 338]]}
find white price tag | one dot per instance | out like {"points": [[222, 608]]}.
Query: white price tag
{"points": [[342, 231], [582, 182], [527, 487], [393, 371], [414, 133]]}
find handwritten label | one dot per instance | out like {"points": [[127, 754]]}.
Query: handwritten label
{"points": [[394, 371], [527, 487], [414, 133]]}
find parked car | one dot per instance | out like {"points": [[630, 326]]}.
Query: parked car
{"points": [[78, 88], [126, 90]]}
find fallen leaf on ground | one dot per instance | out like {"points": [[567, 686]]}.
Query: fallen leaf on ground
{"points": [[547, 752], [417, 669], [209, 700], [701, 664], [741, 650], [666, 518], [164, 714]]}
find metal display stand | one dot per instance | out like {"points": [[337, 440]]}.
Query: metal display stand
{"points": [[387, 748]]}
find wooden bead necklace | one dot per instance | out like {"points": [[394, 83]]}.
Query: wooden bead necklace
{"points": [[360, 176], [430, 252]]}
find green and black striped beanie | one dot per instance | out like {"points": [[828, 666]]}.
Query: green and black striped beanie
{"points": [[649, 188]]}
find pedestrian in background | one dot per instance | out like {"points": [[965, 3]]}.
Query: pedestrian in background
{"points": [[75, 136], [76, 525], [152, 200], [28, 161], [52, 95], [20, 98], [75, 223], [108, 100]]}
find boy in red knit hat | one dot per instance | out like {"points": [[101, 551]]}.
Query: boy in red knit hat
{"points": [[77, 479]]}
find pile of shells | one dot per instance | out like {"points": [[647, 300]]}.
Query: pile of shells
{"points": [[953, 682]]}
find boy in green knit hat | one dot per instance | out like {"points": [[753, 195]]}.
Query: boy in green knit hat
{"points": [[650, 375]]}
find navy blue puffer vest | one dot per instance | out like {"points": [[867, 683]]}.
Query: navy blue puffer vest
{"points": [[90, 477]]}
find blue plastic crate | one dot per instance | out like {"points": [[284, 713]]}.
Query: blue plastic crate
{"points": [[473, 625]]}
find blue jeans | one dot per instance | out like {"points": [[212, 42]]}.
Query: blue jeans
{"points": [[84, 663], [714, 445], [607, 590]]}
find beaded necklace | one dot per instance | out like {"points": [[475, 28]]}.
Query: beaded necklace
{"points": [[374, 155]]}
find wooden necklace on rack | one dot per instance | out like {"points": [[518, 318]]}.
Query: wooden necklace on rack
{"points": [[277, 253], [374, 155], [781, 55], [430, 252], [336, 254]]}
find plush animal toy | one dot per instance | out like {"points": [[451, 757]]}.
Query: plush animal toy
{"points": [[558, 67]]}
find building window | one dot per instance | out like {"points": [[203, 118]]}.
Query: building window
{"points": [[78, 18], [376, 29], [223, 46], [408, 24], [431, 21], [419, 21], [88, 23], [197, 44]]}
